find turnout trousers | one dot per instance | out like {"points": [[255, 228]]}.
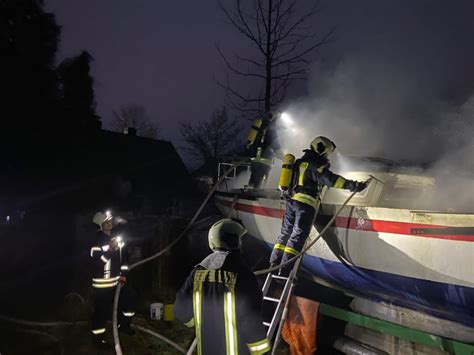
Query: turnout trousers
{"points": [[103, 300], [258, 174], [295, 229]]}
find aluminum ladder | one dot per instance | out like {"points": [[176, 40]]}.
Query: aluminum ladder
{"points": [[283, 302]]}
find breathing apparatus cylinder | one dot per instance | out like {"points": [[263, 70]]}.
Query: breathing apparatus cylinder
{"points": [[286, 172], [253, 133]]}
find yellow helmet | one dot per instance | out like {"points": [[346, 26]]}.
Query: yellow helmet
{"points": [[226, 234], [323, 145]]}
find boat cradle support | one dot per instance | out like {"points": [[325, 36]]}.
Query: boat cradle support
{"points": [[406, 333]]}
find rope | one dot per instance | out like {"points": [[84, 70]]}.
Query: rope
{"points": [[117, 345]]}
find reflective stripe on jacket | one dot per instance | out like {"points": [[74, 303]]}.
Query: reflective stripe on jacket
{"points": [[310, 174], [108, 265], [224, 306]]}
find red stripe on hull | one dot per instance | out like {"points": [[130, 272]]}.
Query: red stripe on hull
{"points": [[361, 224], [263, 211]]}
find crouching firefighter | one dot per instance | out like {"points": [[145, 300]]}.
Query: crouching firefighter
{"points": [[263, 145], [110, 266], [221, 298], [309, 175]]}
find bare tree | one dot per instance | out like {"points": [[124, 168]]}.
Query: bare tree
{"points": [[209, 141], [281, 33], [135, 116]]}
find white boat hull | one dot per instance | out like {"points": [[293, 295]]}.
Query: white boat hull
{"points": [[420, 260]]}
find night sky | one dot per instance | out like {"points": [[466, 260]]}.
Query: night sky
{"points": [[161, 53]]}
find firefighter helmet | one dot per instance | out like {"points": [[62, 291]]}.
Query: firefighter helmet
{"points": [[226, 234], [323, 145], [101, 217]]}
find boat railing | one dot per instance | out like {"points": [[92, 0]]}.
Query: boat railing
{"points": [[237, 168]]}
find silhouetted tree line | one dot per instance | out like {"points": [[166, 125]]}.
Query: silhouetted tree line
{"points": [[208, 142], [40, 100]]}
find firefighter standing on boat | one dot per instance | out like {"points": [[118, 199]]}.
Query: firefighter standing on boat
{"points": [[309, 175], [221, 298], [263, 145], [110, 266]]}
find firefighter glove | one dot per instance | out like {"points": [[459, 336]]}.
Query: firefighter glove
{"points": [[114, 244], [357, 186]]}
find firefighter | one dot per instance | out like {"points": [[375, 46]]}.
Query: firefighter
{"points": [[110, 266], [221, 298], [310, 174], [263, 145]]}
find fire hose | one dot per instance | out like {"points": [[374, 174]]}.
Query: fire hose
{"points": [[117, 345], [118, 348], [28, 323]]}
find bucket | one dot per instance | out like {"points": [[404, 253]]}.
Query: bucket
{"points": [[168, 312], [156, 311]]}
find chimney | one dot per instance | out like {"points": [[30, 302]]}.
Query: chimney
{"points": [[130, 131]]}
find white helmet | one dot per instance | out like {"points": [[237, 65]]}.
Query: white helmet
{"points": [[101, 217], [226, 234], [323, 145]]}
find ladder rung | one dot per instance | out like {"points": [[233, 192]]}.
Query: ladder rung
{"points": [[272, 299], [279, 277], [266, 324]]}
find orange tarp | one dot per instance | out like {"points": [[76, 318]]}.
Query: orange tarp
{"points": [[299, 330]]}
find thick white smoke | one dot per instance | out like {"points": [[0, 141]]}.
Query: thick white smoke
{"points": [[380, 110], [373, 107]]}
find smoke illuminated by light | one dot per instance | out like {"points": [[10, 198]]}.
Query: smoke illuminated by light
{"points": [[286, 119]]}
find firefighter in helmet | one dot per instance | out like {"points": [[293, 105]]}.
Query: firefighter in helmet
{"points": [[110, 266], [221, 298], [263, 145], [310, 174]]}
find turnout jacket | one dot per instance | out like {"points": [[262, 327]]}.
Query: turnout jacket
{"points": [[108, 265], [266, 143], [310, 174], [222, 300]]}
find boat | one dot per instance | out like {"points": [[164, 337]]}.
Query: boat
{"points": [[387, 244]]}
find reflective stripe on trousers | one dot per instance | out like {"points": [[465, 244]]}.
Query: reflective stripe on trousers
{"points": [[279, 247], [104, 284], [259, 347]]}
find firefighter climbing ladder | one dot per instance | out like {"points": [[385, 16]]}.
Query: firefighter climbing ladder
{"points": [[283, 302]]}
